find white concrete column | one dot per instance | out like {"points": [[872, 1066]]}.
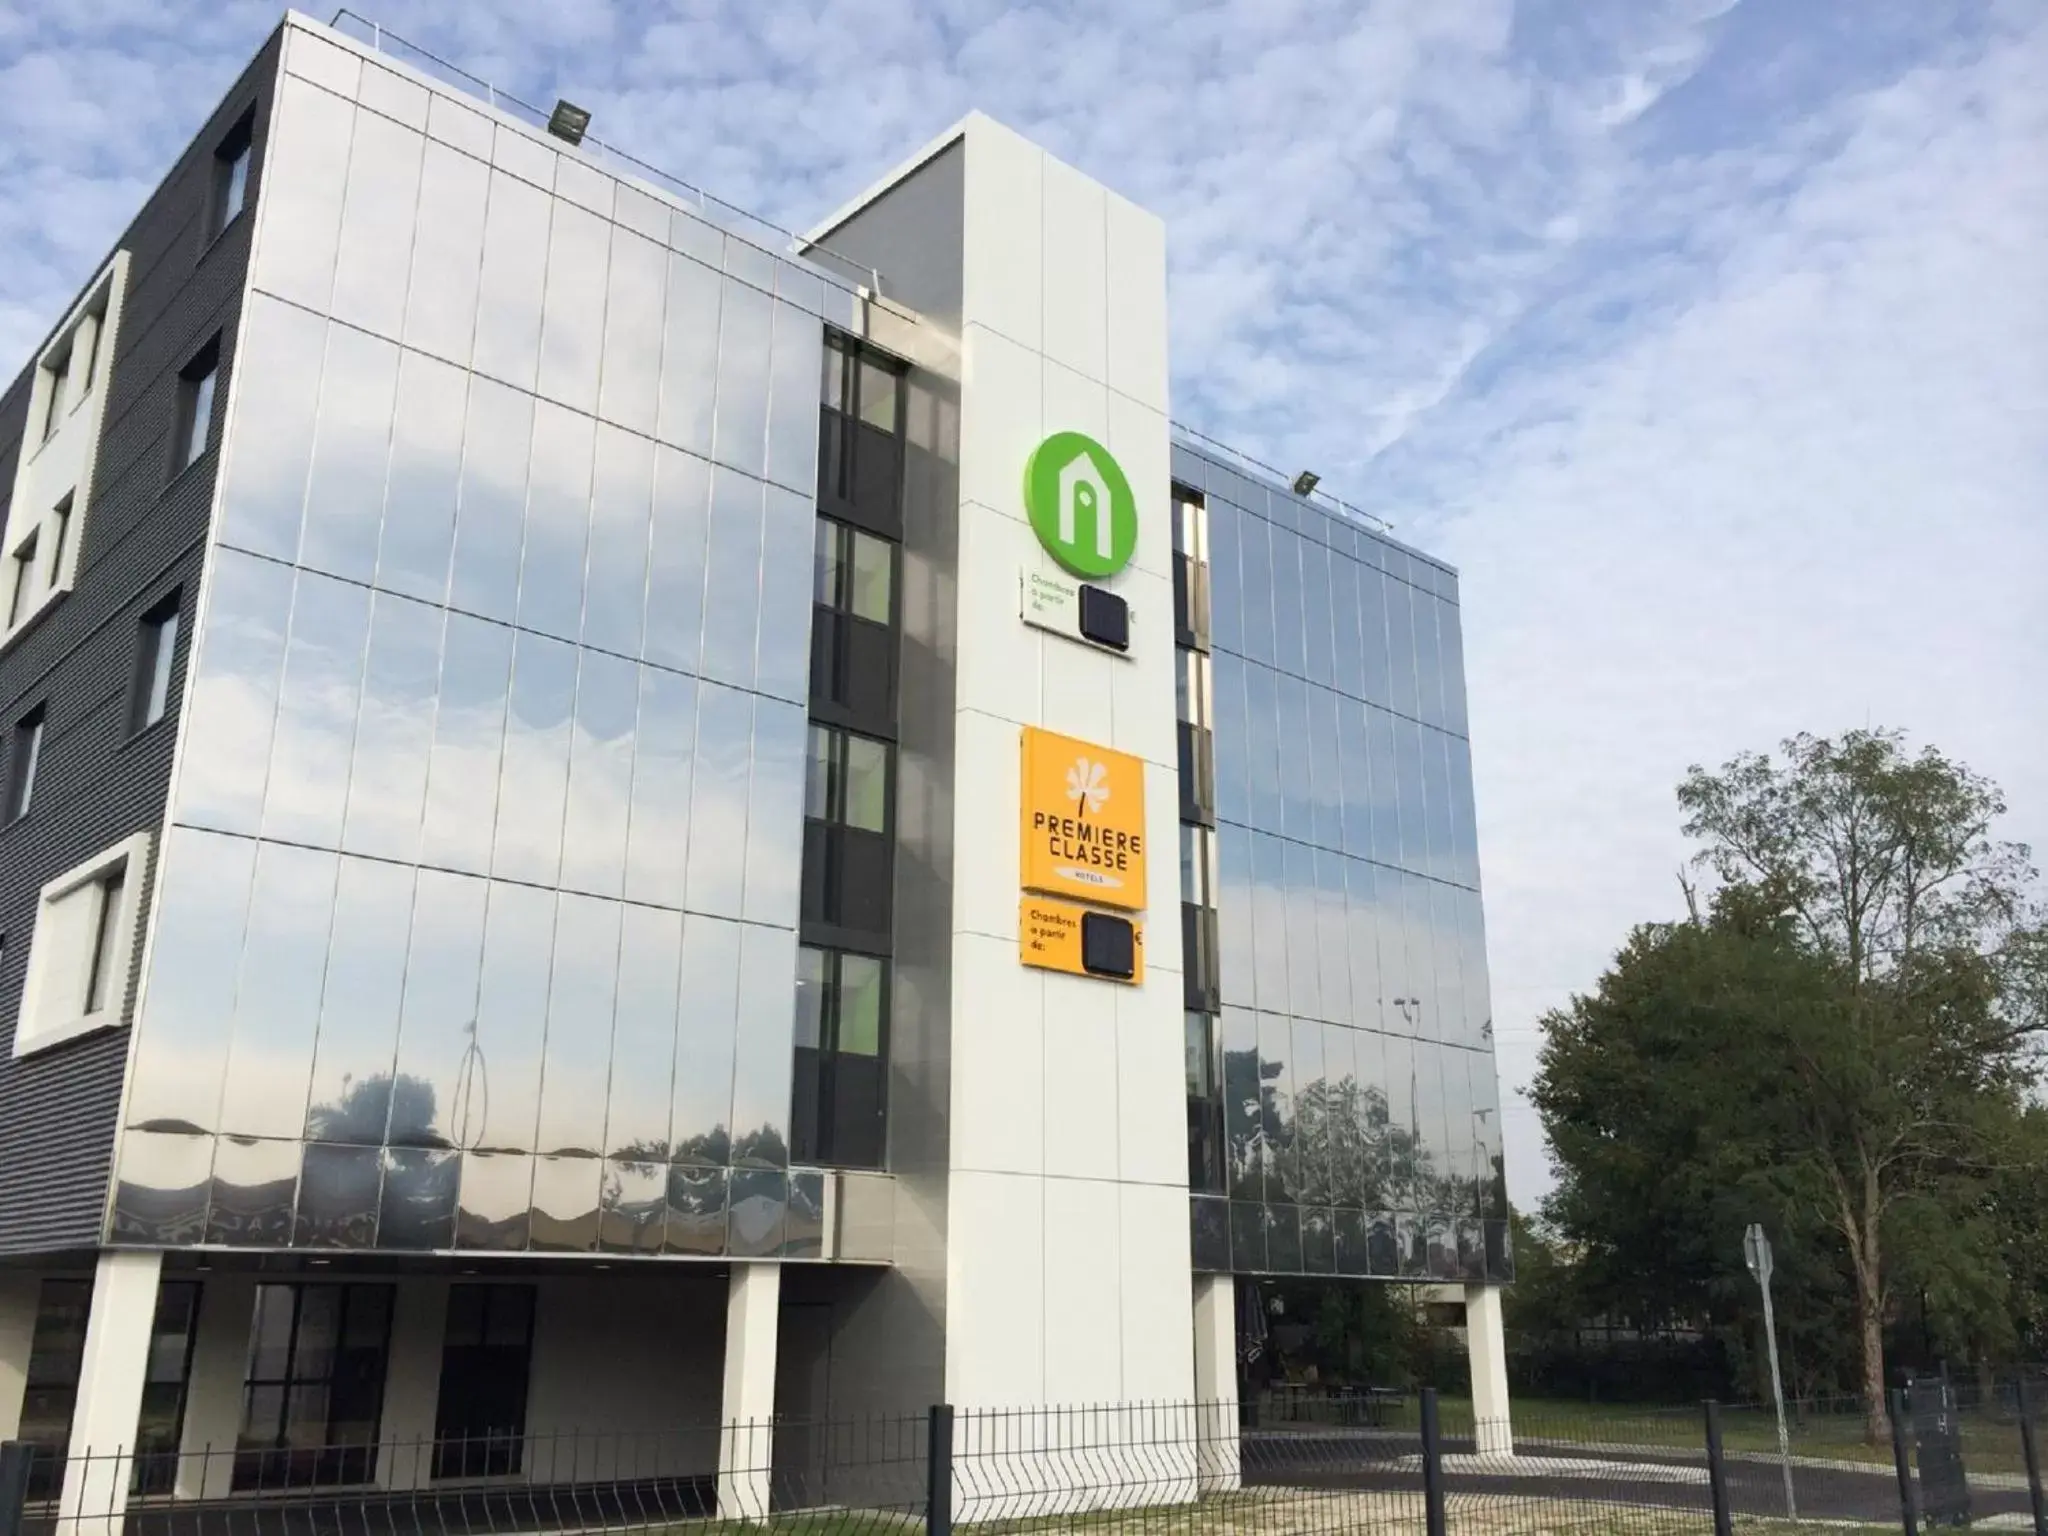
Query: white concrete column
{"points": [[1486, 1349], [412, 1383], [20, 1296], [746, 1437], [110, 1379], [1217, 1466], [213, 1391]]}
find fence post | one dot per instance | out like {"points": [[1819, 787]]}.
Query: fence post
{"points": [[938, 1472], [2032, 1450], [1432, 1465], [16, 1458], [1717, 1473], [1902, 1459]]}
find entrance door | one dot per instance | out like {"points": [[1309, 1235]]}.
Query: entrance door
{"points": [[486, 1358]]}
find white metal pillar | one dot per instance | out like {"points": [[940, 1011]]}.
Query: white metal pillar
{"points": [[213, 1391], [1217, 1465], [1487, 1352], [110, 1379], [746, 1437], [412, 1383], [20, 1296]]}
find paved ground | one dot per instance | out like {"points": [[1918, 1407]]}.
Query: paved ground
{"points": [[1628, 1476]]}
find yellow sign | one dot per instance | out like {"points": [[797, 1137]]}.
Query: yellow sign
{"points": [[1050, 936], [1083, 821]]}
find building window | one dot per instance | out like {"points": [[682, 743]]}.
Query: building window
{"points": [[1205, 1104], [854, 572], [853, 637], [841, 1051], [847, 783], [231, 173], [195, 404], [82, 949], [21, 579], [486, 1360], [60, 536], [58, 1352], [106, 931], [314, 1391], [860, 443], [59, 370], [156, 649], [24, 755]]}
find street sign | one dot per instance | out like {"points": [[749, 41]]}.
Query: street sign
{"points": [[1756, 1253]]}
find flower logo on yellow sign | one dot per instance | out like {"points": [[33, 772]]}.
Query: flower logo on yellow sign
{"points": [[1082, 821], [1087, 784]]}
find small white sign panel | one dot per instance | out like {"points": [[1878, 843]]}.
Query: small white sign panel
{"points": [[1053, 602]]}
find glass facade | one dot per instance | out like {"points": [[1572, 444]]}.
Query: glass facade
{"points": [[1343, 1105], [482, 873]]}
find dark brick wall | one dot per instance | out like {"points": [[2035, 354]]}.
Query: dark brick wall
{"points": [[144, 536]]}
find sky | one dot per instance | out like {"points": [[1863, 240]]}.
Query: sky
{"points": [[1709, 340]]}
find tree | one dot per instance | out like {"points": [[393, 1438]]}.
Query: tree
{"points": [[1842, 1039]]}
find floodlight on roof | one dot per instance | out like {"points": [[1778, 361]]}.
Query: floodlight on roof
{"points": [[568, 121]]}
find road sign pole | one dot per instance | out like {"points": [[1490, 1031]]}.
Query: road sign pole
{"points": [[1756, 1251]]}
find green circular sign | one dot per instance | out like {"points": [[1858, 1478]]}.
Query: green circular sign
{"points": [[1081, 505]]}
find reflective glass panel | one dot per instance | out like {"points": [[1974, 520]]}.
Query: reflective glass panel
{"points": [[387, 780], [774, 824], [434, 1098], [675, 560], [572, 326], [632, 332], [501, 1078], [254, 1187], [277, 1000], [689, 356], [417, 1211], [718, 806], [581, 996], [305, 179], [495, 1202], [239, 665], [377, 224], [732, 588], [1255, 543], [741, 429], [615, 582], [272, 445], [793, 399], [181, 1043], [351, 449], [533, 784], [600, 775], [557, 522], [306, 796], [708, 1020], [664, 752], [761, 1065], [565, 1204], [784, 662], [418, 531], [514, 273], [469, 744], [359, 1006], [497, 440], [1317, 628], [644, 1036], [447, 253]]}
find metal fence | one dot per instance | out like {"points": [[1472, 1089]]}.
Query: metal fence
{"points": [[1389, 1464]]}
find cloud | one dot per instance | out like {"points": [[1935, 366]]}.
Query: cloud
{"points": [[1709, 339]]}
